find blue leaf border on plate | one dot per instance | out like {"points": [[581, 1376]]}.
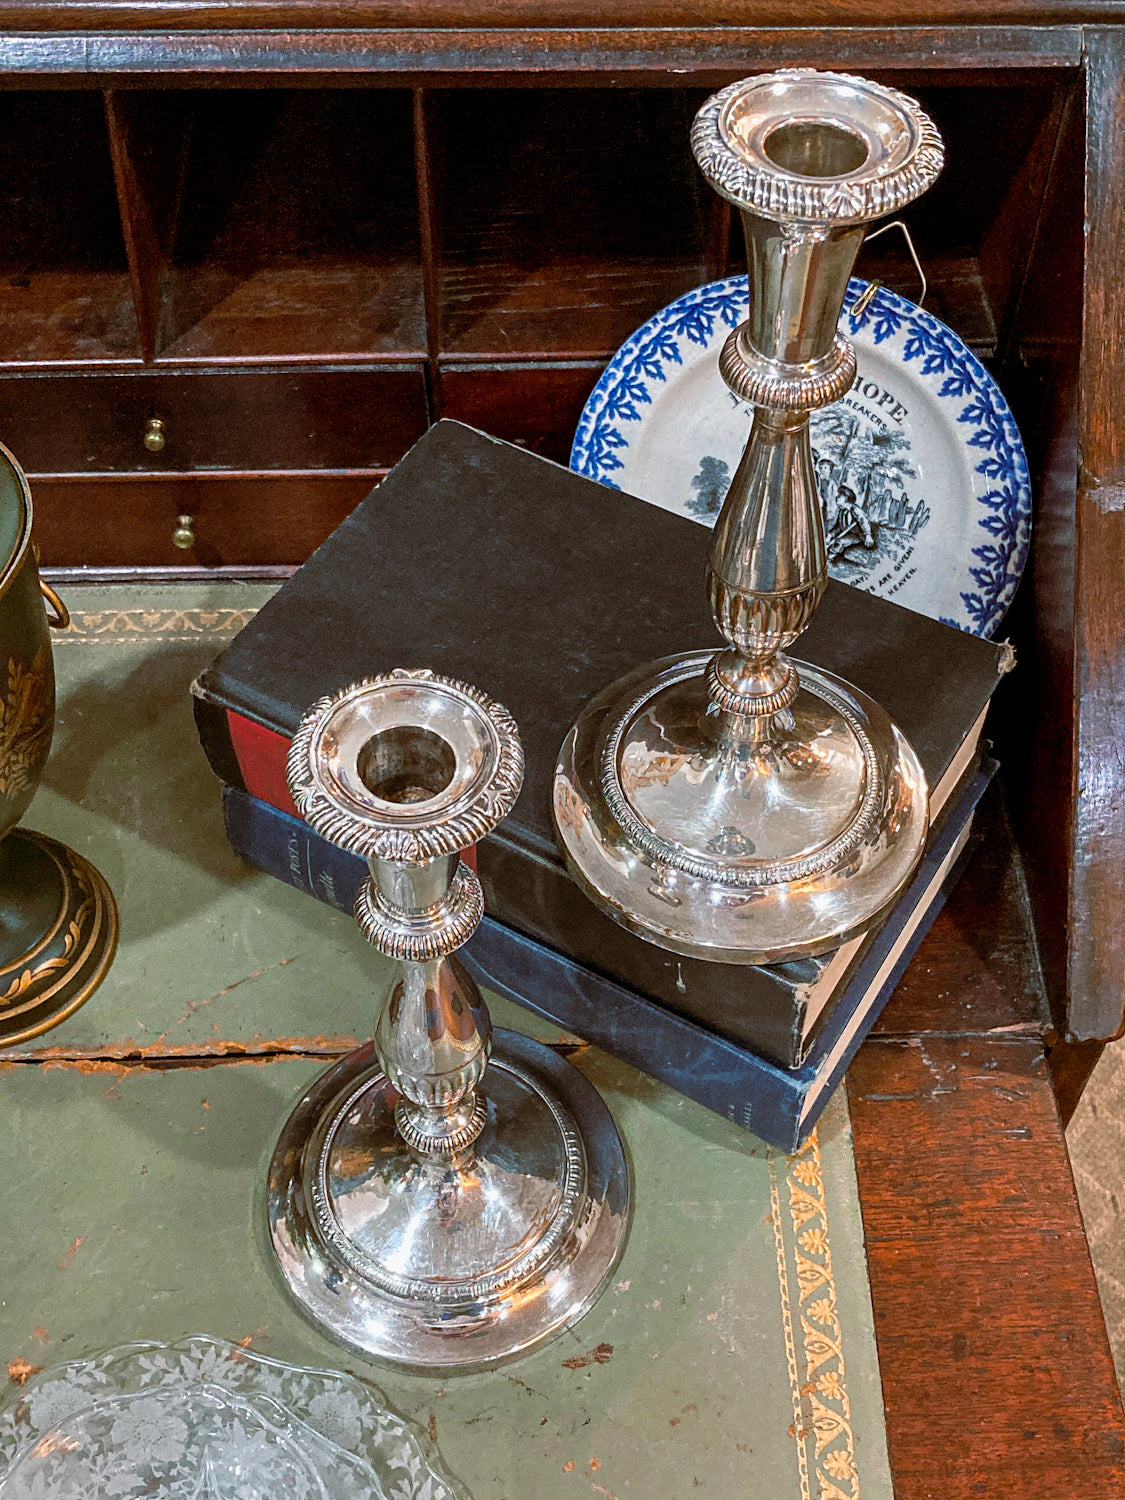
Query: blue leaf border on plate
{"points": [[697, 317]]}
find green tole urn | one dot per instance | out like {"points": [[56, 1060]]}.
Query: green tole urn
{"points": [[58, 918]]}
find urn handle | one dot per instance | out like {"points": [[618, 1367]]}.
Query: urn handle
{"points": [[60, 618]]}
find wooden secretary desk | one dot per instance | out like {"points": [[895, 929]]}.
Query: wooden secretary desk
{"points": [[251, 249]]}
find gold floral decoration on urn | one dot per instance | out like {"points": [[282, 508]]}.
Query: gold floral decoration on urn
{"points": [[26, 721]]}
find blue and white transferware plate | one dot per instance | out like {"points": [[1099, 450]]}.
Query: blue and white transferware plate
{"points": [[923, 474]]}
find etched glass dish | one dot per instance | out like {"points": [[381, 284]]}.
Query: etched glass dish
{"points": [[201, 1419]]}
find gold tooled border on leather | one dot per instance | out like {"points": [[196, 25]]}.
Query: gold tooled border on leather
{"points": [[138, 626], [822, 1418]]}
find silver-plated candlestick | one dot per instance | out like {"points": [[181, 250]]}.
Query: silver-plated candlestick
{"points": [[419, 1215], [738, 805]]}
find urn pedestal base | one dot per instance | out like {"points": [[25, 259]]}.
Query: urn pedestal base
{"points": [[58, 933]]}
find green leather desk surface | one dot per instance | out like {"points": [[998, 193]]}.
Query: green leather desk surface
{"points": [[733, 1352]]}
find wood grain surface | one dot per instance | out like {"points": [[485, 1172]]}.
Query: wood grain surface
{"points": [[256, 520], [241, 419], [499, 15], [997, 1376], [100, 44], [149, 145], [536, 406], [978, 971], [1097, 964]]}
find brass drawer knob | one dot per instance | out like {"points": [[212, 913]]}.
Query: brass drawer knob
{"points": [[154, 435], [184, 535]]}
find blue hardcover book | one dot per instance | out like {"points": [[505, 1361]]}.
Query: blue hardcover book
{"points": [[779, 1104]]}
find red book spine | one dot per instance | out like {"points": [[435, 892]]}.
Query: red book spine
{"points": [[261, 754]]}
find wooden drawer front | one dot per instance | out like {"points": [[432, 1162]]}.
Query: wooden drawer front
{"points": [[129, 522], [244, 421], [537, 406]]}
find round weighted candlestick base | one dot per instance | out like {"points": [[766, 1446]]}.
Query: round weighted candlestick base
{"points": [[431, 1263], [696, 830], [424, 1211]]}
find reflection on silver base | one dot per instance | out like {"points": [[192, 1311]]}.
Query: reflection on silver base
{"points": [[733, 838], [429, 1264]]}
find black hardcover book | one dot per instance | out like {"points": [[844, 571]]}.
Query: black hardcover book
{"points": [[484, 562]]}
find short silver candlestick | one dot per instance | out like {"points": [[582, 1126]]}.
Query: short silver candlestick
{"points": [[423, 1212], [737, 805]]}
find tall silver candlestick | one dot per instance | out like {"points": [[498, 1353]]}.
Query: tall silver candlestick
{"points": [[738, 805], [421, 1211]]}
